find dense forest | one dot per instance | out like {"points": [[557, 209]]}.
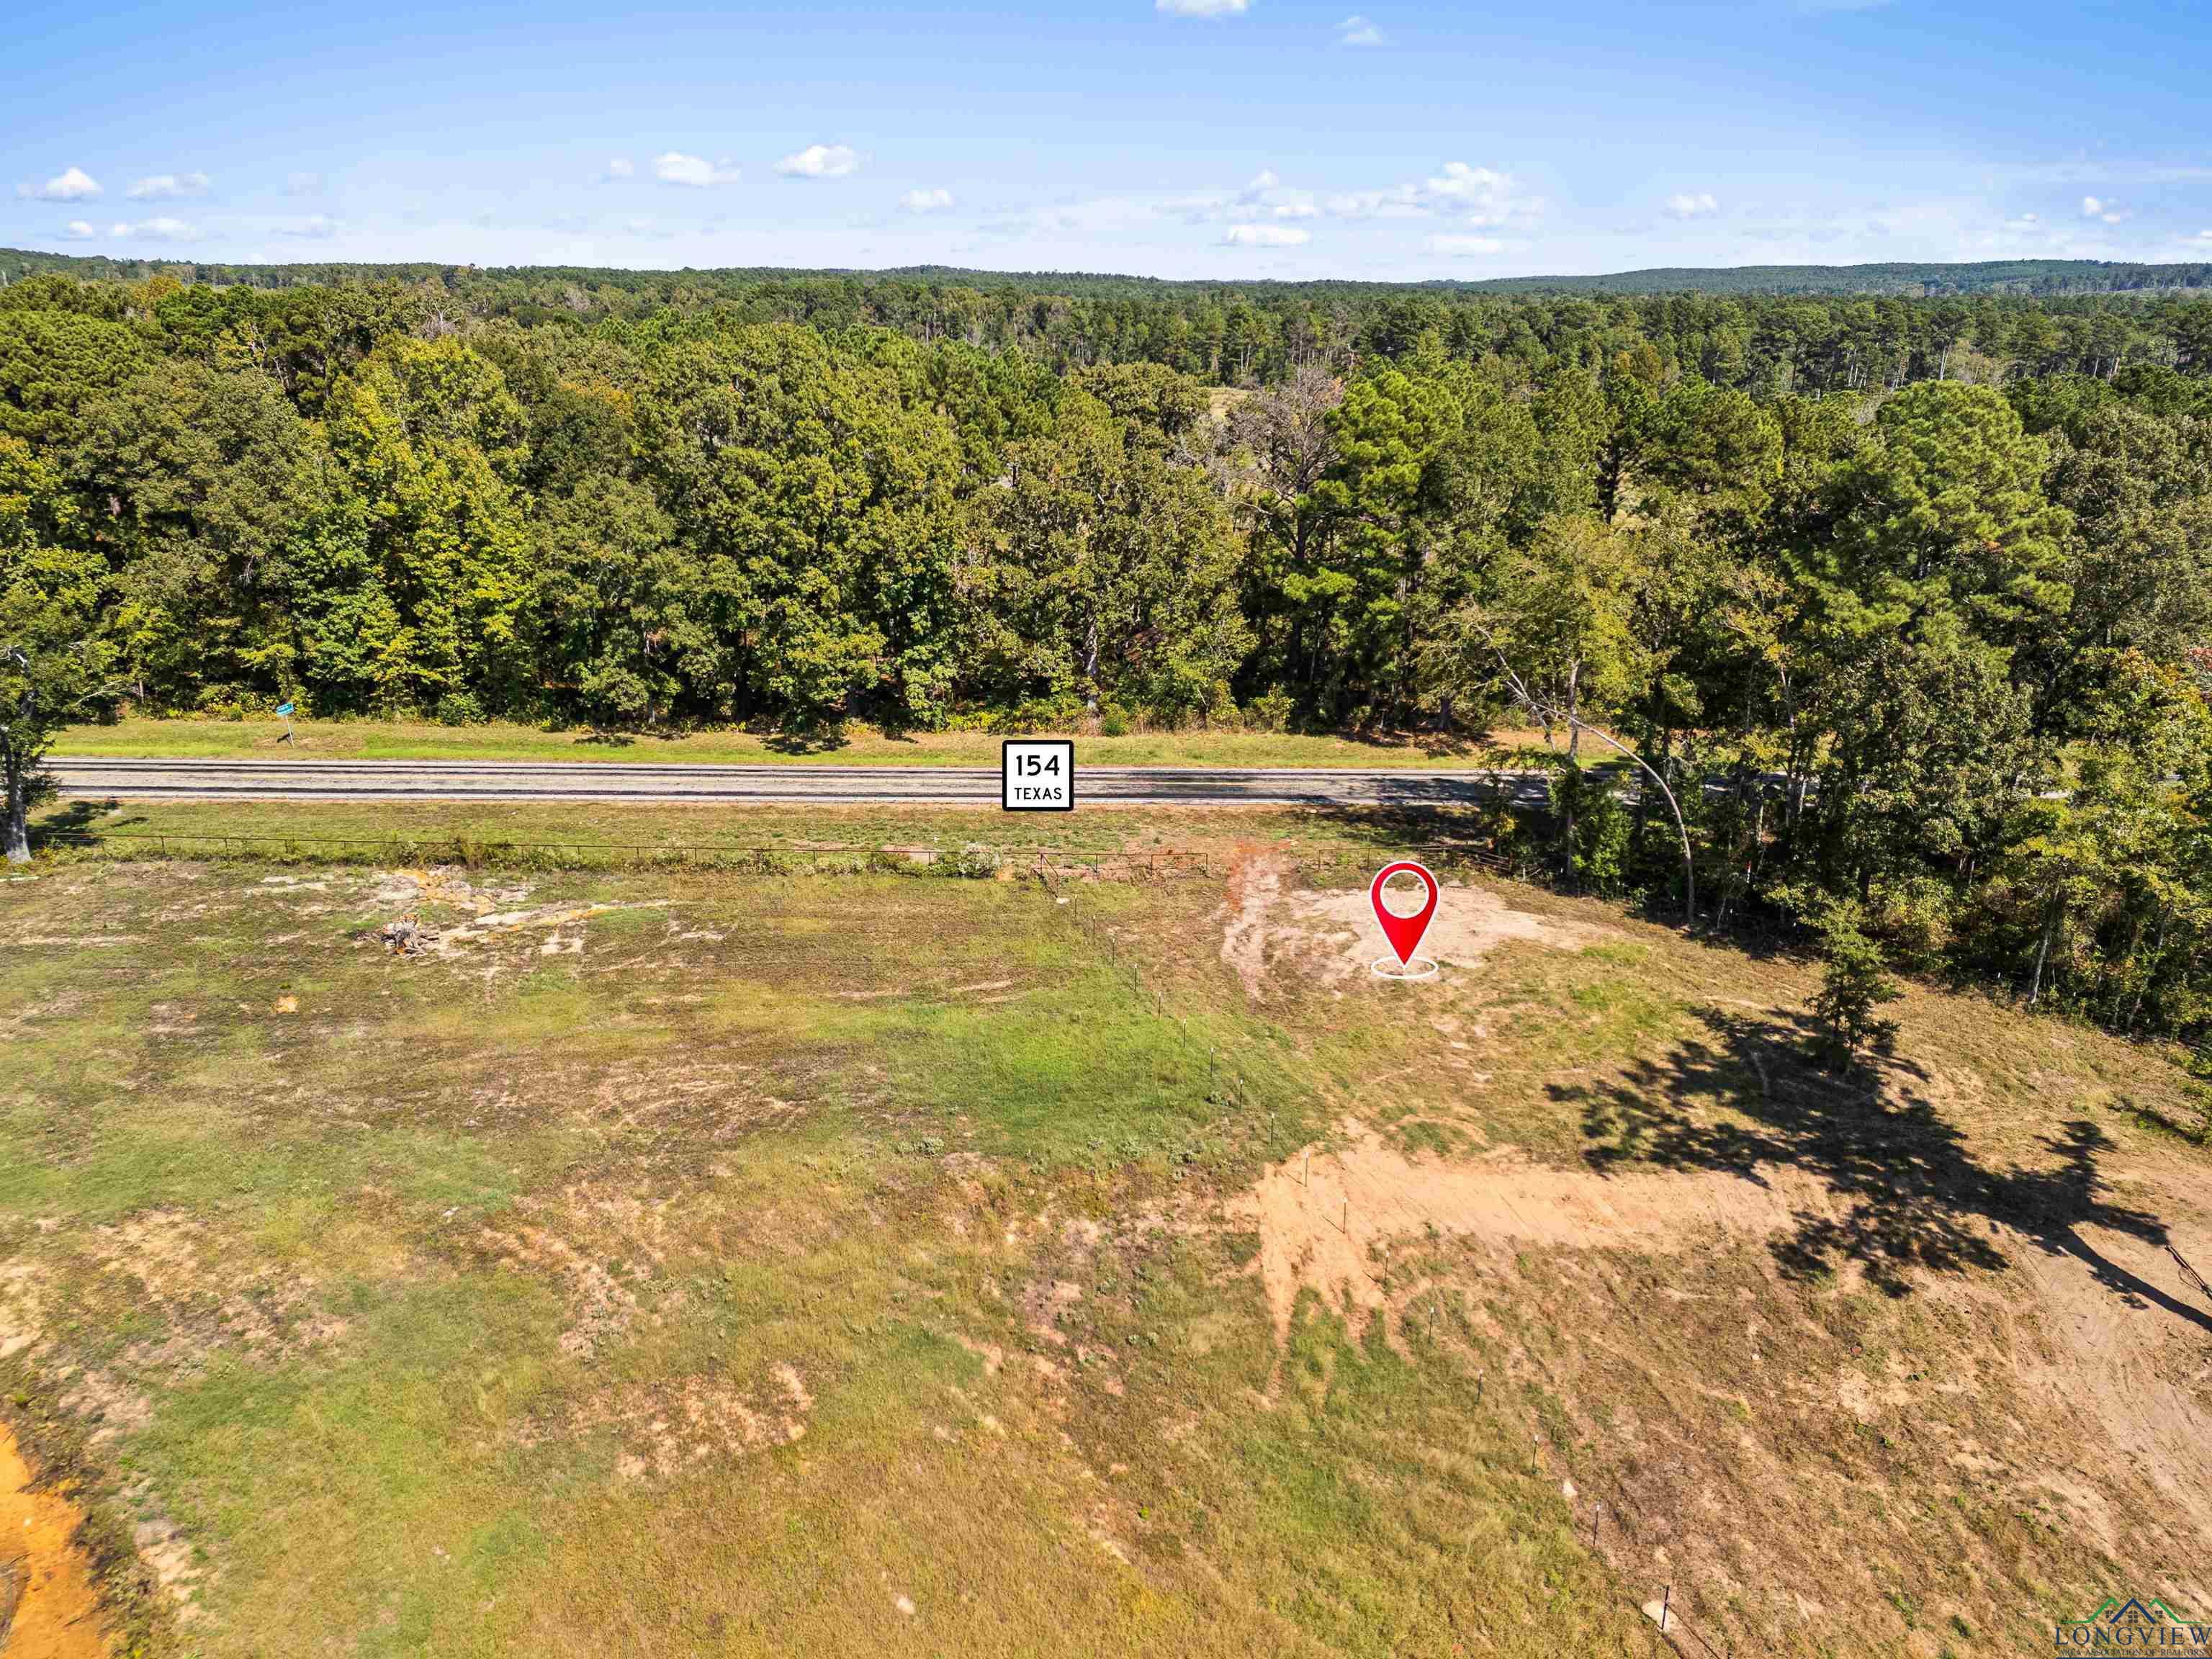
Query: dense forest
{"points": [[1903, 600], [2048, 278]]}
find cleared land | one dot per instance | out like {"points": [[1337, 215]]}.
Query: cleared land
{"points": [[667, 1262], [855, 745]]}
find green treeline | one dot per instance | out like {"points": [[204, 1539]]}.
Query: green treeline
{"points": [[1905, 600], [602, 285]]}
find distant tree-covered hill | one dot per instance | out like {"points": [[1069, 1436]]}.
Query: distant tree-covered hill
{"points": [[2038, 278], [2027, 276]]}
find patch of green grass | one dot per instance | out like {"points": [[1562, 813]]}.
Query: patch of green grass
{"points": [[858, 743], [802, 1251], [544, 837], [415, 1277]]}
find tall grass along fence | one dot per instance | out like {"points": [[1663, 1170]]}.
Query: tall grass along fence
{"points": [[969, 859]]}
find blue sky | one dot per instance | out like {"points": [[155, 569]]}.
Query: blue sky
{"points": [[1218, 138]]}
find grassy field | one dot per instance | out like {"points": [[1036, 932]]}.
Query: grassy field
{"points": [[857, 744], [602, 833], [675, 1262]]}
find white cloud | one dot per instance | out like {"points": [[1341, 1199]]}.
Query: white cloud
{"points": [[1466, 247], [1684, 205], [160, 228], [2110, 212], [820, 161], [1398, 202], [1357, 31], [1203, 8], [620, 167], [1267, 236], [303, 184], [1265, 194], [1485, 197], [926, 201], [1489, 197], [72, 185], [78, 231], [2202, 236], [315, 228], [694, 172], [1263, 198], [168, 184]]}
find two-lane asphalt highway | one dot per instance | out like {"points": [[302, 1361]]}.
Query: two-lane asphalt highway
{"points": [[85, 777]]}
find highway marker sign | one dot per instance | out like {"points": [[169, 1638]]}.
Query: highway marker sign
{"points": [[1404, 932], [1037, 775]]}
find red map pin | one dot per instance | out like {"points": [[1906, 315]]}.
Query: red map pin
{"points": [[1404, 933]]}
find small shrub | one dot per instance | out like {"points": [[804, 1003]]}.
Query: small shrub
{"points": [[976, 861], [1598, 857], [1113, 720], [459, 708], [1063, 713], [1222, 713], [1271, 713], [1912, 919], [1855, 981]]}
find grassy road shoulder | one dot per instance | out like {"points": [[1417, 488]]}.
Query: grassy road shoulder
{"points": [[857, 745], [605, 834]]}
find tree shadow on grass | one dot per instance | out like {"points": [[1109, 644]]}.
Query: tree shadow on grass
{"points": [[73, 823], [1910, 1191], [806, 741]]}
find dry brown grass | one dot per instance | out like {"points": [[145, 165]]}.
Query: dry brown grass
{"points": [[1850, 1362], [861, 1266]]}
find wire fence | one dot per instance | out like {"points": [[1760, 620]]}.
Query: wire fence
{"points": [[1670, 1622], [829, 858]]}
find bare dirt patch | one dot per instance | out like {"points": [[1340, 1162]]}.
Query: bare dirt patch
{"points": [[1322, 1213], [214, 1294], [1470, 922], [1332, 936], [2125, 1348], [1255, 881], [493, 912], [604, 1247], [49, 1605], [1736, 1421], [21, 1310], [664, 1428]]}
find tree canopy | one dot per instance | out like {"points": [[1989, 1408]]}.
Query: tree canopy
{"points": [[1898, 603]]}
